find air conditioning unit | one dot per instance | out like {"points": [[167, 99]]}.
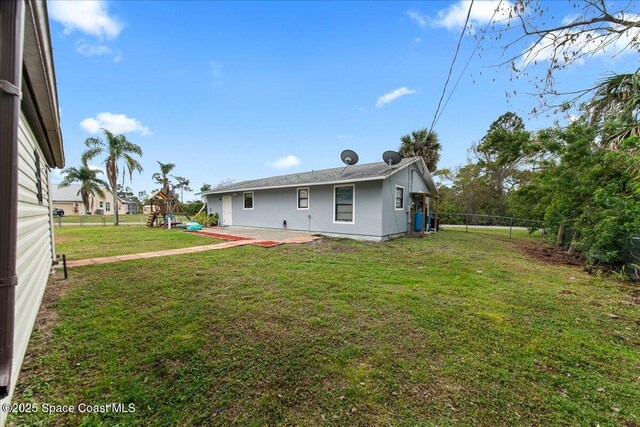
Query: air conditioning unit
{"points": [[99, 211]]}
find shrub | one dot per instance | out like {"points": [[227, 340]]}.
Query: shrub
{"points": [[207, 220]]}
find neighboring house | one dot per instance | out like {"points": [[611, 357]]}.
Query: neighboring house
{"points": [[369, 202], [30, 144], [69, 200], [132, 206]]}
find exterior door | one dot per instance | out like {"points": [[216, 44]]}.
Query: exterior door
{"points": [[226, 210]]}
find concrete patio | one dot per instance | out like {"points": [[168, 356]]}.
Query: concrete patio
{"points": [[271, 234]]}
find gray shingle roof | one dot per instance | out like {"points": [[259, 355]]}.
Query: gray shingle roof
{"points": [[353, 173], [66, 194], [70, 193]]}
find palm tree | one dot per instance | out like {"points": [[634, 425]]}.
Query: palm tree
{"points": [[162, 177], [90, 184], [118, 149], [422, 143], [617, 100]]}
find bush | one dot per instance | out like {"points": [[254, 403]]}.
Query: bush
{"points": [[207, 220]]}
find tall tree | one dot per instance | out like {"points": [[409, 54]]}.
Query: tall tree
{"points": [[162, 177], [119, 153], [424, 144], [502, 153], [90, 183], [182, 184]]}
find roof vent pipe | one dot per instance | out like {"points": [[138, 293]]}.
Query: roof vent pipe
{"points": [[12, 28]]}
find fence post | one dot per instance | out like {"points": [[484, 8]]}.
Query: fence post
{"points": [[510, 226], [466, 224], [64, 264], [59, 221], [104, 222], [81, 221]]}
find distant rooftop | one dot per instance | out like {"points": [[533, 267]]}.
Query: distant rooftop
{"points": [[367, 171], [68, 194]]}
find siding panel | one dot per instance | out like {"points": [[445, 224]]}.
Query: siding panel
{"points": [[34, 246]]}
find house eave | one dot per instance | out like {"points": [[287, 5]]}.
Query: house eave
{"points": [[39, 84]]}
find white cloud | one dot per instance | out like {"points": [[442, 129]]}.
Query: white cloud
{"points": [[453, 17], [88, 49], [393, 95], [90, 17], [285, 162], [117, 123], [416, 17], [350, 136]]}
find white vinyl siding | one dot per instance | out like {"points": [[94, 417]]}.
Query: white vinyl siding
{"points": [[34, 246]]}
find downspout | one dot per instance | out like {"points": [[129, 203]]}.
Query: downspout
{"points": [[11, 33]]}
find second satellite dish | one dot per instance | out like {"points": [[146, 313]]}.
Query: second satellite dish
{"points": [[391, 157], [349, 157]]}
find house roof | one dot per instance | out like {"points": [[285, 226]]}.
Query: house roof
{"points": [[70, 193], [40, 97], [364, 172]]}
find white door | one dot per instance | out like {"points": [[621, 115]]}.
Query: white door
{"points": [[226, 210]]}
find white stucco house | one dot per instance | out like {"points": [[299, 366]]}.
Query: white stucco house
{"points": [[30, 145], [371, 201]]}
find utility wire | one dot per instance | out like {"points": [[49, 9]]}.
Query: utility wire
{"points": [[455, 56], [469, 60]]}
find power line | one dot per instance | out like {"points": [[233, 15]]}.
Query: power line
{"points": [[469, 60], [455, 56]]}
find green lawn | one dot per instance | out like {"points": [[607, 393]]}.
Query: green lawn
{"points": [[452, 329], [90, 242]]}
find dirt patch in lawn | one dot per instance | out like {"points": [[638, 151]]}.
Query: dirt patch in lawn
{"points": [[47, 314], [549, 254]]}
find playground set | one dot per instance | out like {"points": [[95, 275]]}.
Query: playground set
{"points": [[166, 212]]}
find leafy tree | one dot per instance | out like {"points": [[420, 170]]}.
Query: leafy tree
{"points": [[162, 178], [502, 154], [422, 143], [90, 183], [119, 153], [591, 196], [182, 184]]}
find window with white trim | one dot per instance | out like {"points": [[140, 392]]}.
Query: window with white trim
{"points": [[399, 197], [344, 197], [107, 206], [248, 200], [101, 205], [303, 198]]}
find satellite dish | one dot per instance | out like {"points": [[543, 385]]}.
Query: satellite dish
{"points": [[391, 157], [349, 157]]}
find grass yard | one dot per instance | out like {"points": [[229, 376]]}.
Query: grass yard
{"points": [[90, 242], [453, 329]]}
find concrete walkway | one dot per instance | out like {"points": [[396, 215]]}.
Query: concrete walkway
{"points": [[233, 242]]}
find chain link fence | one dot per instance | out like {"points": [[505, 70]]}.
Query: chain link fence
{"points": [[477, 222]]}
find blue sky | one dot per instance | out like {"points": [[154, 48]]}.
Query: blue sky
{"points": [[245, 90]]}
